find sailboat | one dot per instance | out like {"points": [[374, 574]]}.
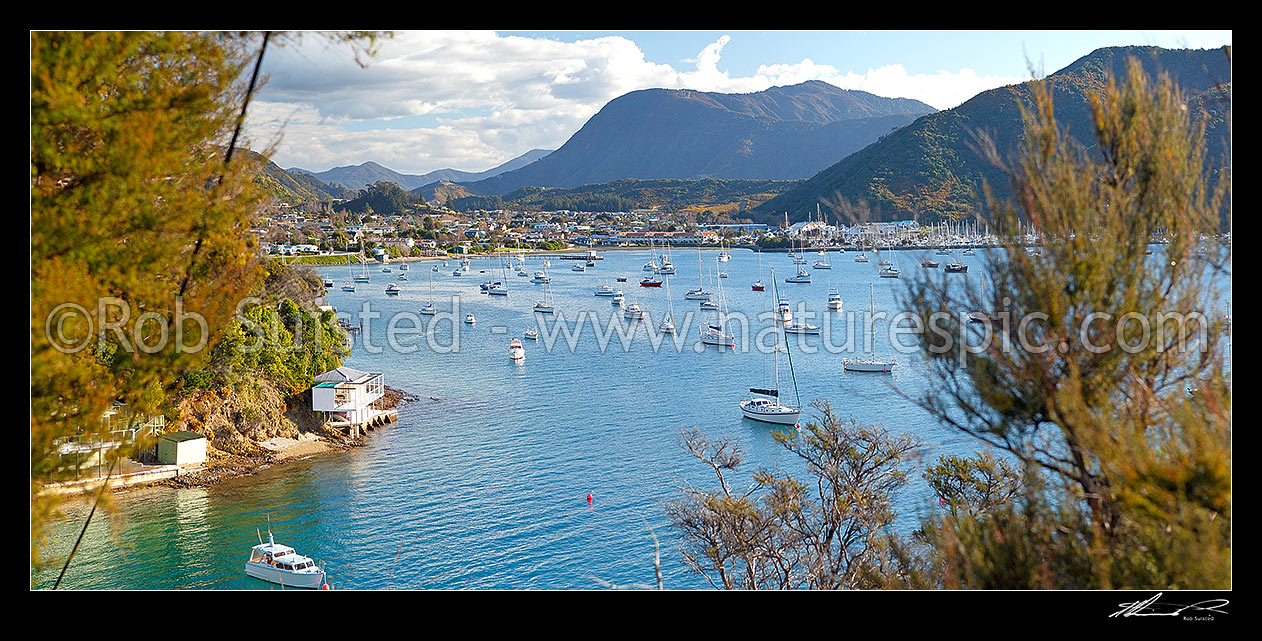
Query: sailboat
{"points": [[429, 309], [544, 306], [869, 364], [758, 286], [803, 276], [955, 266], [500, 288], [667, 266], [889, 270], [667, 326], [699, 293], [764, 403], [363, 277], [715, 333], [349, 287]]}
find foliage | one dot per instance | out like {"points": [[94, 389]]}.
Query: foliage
{"points": [[131, 198], [629, 194], [384, 198], [1105, 379], [826, 532], [139, 202], [285, 342]]}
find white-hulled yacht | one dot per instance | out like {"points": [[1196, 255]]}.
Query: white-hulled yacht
{"points": [[764, 403], [516, 351], [279, 564], [871, 364]]}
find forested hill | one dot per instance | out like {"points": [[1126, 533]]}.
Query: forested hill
{"points": [[783, 133], [933, 169]]}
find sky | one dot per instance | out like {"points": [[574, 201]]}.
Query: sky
{"points": [[471, 100]]}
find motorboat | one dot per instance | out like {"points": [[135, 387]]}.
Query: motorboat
{"points": [[532, 334], [348, 288], [634, 312], [784, 313], [834, 300], [392, 290], [578, 268], [649, 281], [281, 565], [516, 351], [470, 318], [801, 327], [541, 277]]}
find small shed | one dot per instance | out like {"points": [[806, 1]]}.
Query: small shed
{"points": [[182, 448]]}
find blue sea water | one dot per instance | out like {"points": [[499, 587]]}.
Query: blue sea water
{"points": [[482, 483]]}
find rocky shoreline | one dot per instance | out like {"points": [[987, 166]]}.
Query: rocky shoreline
{"points": [[277, 450]]}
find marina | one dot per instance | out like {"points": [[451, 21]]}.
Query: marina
{"points": [[481, 483]]}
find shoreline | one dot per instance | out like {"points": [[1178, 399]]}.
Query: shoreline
{"points": [[222, 466]]}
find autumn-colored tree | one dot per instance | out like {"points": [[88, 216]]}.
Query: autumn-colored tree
{"points": [[140, 212]]}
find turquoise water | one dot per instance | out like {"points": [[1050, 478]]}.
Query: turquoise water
{"points": [[486, 487]]}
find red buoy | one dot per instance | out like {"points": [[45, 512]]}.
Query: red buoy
{"points": [[325, 587], [589, 497]]}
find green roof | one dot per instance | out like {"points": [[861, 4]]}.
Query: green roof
{"points": [[182, 436]]}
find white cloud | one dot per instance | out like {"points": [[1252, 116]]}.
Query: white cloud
{"points": [[487, 98]]}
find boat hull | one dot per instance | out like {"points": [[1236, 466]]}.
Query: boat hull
{"points": [[785, 417], [307, 580], [863, 366]]}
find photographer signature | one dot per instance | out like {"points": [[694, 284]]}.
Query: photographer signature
{"points": [[1150, 608]]}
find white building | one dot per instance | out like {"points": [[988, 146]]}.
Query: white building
{"points": [[182, 448], [348, 396]]}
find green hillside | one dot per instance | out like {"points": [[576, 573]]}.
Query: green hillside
{"points": [[934, 167], [627, 194]]}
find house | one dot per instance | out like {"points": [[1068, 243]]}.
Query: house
{"points": [[348, 396]]}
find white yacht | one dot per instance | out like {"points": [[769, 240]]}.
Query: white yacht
{"points": [[834, 300], [605, 290], [279, 564], [801, 327], [871, 364], [541, 277], [516, 351], [699, 293], [634, 312], [578, 268], [784, 313], [764, 403], [392, 290], [470, 318]]}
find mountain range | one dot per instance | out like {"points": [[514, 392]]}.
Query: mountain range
{"points": [[933, 169], [890, 158], [781, 133], [362, 175]]}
